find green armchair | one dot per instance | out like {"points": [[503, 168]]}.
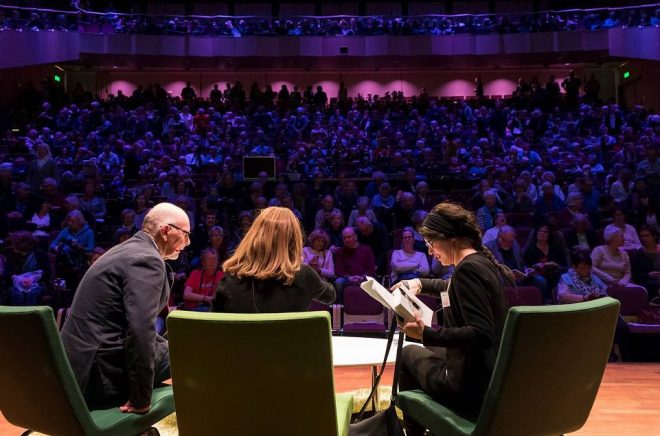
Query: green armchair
{"points": [[548, 371], [39, 391], [254, 374]]}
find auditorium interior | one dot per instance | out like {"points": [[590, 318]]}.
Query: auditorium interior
{"points": [[542, 117]]}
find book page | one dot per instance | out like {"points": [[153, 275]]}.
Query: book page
{"points": [[402, 303], [378, 292], [411, 300]]}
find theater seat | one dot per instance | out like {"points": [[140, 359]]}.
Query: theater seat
{"points": [[523, 296], [361, 313], [546, 375], [39, 391], [255, 374]]}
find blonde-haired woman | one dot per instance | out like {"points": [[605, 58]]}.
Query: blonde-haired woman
{"points": [[266, 274]]}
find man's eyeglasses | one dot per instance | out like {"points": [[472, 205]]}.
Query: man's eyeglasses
{"points": [[185, 232]]}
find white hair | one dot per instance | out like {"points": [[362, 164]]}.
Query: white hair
{"points": [[609, 232], [160, 215]]}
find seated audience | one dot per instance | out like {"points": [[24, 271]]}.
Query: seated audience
{"points": [[25, 270], [353, 262], [579, 283], [546, 251], [647, 213], [645, 262], [41, 217], [580, 234], [487, 213], [334, 226], [630, 237], [375, 236], [318, 255], [245, 219], [408, 263], [141, 209], [491, 234], [403, 210], [92, 204], [363, 210], [202, 283], [327, 207], [384, 198], [610, 261], [71, 247], [127, 219], [217, 241], [506, 251], [519, 202], [547, 202], [573, 207], [266, 274]]}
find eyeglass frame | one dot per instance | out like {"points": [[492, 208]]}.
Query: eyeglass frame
{"points": [[187, 233]]}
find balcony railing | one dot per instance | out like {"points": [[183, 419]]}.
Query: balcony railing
{"points": [[79, 20]]}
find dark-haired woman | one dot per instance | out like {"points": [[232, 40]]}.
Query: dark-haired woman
{"points": [[645, 261], [458, 372], [579, 283]]}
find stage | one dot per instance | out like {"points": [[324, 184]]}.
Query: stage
{"points": [[627, 402]]}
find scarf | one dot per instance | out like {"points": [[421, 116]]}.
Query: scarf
{"points": [[582, 286]]}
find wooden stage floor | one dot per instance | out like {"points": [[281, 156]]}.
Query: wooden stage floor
{"points": [[628, 403]]}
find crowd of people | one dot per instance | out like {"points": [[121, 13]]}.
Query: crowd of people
{"points": [[544, 172], [460, 24]]}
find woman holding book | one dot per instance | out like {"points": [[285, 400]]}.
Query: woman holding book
{"points": [[458, 371], [266, 274]]}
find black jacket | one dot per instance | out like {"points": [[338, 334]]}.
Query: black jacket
{"points": [[472, 327], [249, 295], [110, 336]]}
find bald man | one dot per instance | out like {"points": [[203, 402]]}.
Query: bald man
{"points": [[110, 336]]}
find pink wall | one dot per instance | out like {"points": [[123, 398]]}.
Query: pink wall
{"points": [[445, 83]]}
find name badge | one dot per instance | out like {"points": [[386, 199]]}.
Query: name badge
{"points": [[444, 297]]}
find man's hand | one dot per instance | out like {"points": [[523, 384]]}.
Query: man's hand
{"points": [[414, 329], [415, 285], [128, 408]]}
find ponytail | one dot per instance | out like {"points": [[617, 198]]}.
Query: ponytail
{"points": [[505, 271]]}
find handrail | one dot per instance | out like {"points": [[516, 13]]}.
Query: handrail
{"points": [[88, 21]]}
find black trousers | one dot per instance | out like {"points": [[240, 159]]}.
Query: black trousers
{"points": [[425, 369]]}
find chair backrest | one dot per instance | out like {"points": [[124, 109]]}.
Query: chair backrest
{"points": [[523, 296], [252, 373], [358, 302], [632, 298], [549, 368], [39, 390]]}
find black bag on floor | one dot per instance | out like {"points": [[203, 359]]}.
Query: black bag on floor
{"points": [[381, 424]]}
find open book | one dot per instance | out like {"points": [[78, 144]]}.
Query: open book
{"points": [[522, 274], [401, 301]]}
